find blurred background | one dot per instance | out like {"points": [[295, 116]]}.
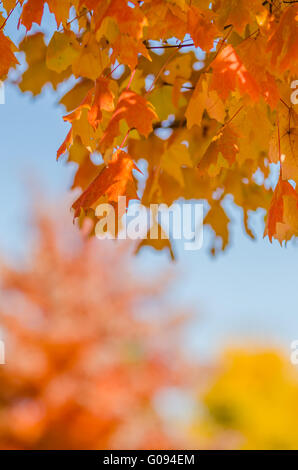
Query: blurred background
{"points": [[109, 350]]}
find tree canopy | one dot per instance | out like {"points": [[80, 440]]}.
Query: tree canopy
{"points": [[88, 349], [203, 91]]}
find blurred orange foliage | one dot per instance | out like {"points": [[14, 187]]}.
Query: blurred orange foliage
{"points": [[83, 362]]}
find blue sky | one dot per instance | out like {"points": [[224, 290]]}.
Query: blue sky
{"points": [[247, 293]]}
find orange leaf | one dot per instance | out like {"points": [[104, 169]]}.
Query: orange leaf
{"points": [[60, 8], [7, 56], [283, 41], [230, 73], [127, 50], [201, 29], [65, 145], [225, 144], [103, 99], [113, 181], [137, 112], [32, 13], [278, 224]]}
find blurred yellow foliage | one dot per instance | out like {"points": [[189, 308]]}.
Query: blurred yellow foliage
{"points": [[252, 402]]}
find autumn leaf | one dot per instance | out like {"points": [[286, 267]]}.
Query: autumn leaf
{"points": [[221, 153], [103, 101], [218, 221], [32, 13], [91, 60], [60, 8], [207, 90], [282, 220], [38, 74], [98, 99], [135, 110], [282, 41], [203, 99], [127, 49], [159, 243], [202, 28], [114, 180], [238, 13], [9, 5], [8, 58], [174, 158], [65, 144], [62, 51], [230, 74]]}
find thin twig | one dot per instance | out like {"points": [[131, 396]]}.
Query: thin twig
{"points": [[8, 16], [230, 120], [170, 46], [75, 18]]}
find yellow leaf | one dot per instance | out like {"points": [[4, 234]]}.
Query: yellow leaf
{"points": [[203, 99], [62, 51], [219, 222], [38, 74], [92, 60], [173, 159]]}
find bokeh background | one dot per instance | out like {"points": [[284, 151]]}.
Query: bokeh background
{"points": [[194, 353]]}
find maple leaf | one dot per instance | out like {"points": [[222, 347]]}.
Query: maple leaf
{"points": [[137, 112], [282, 42], [203, 99], [161, 242], [166, 19], [239, 13], [205, 123], [98, 99], [282, 220], [32, 13], [229, 73], [174, 158], [284, 142], [8, 58], [251, 52], [218, 221], [38, 74], [74, 97], [223, 146], [87, 171], [201, 28], [91, 4], [103, 101], [65, 144], [130, 20], [91, 60], [62, 51], [127, 50], [114, 180], [9, 5], [60, 9]]}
